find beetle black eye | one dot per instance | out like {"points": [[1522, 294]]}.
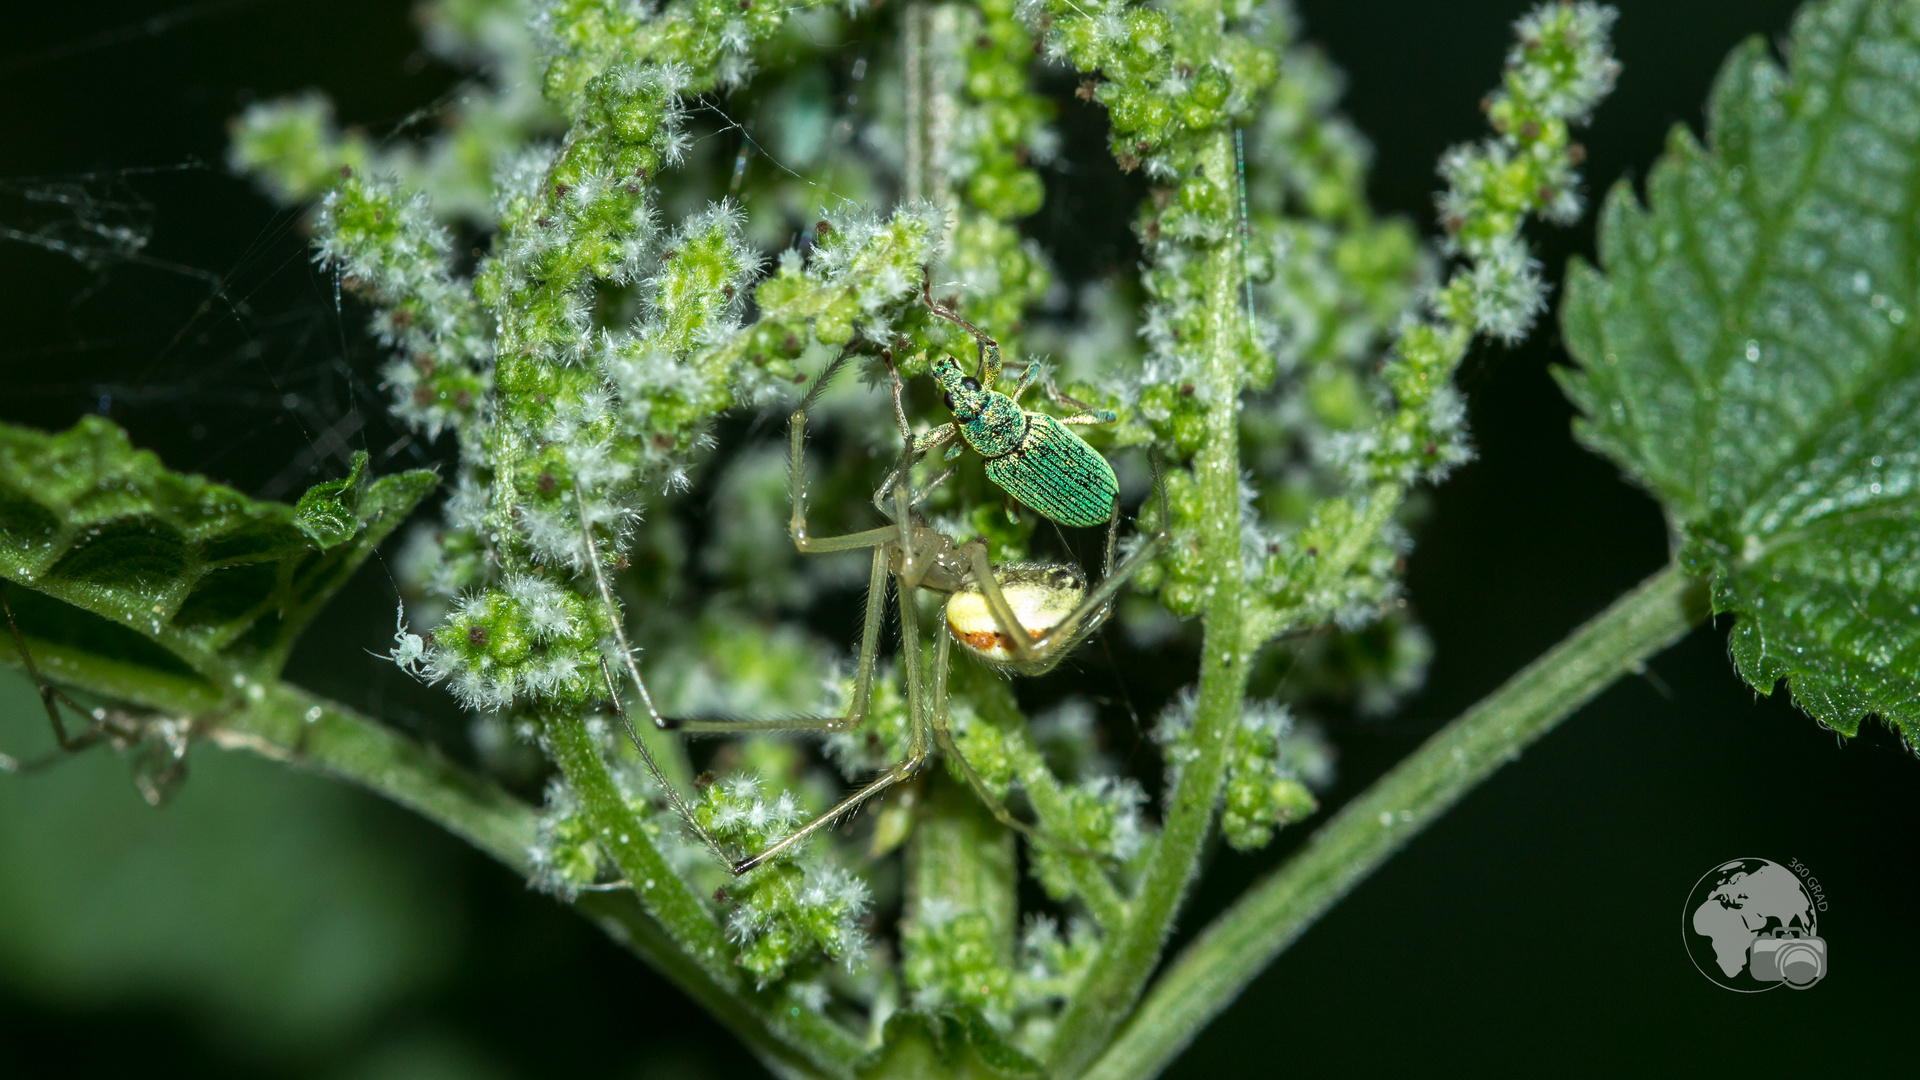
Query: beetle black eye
{"points": [[970, 383], [949, 400]]}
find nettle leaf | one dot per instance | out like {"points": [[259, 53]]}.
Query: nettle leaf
{"points": [[220, 583], [1752, 354], [326, 511]]}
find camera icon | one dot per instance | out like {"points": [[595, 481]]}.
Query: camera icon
{"points": [[1797, 959]]}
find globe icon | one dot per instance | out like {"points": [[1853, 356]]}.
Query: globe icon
{"points": [[1749, 925]]}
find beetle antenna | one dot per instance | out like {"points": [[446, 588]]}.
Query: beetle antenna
{"points": [[980, 337]]}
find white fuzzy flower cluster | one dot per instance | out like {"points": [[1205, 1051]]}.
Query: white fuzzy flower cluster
{"points": [[385, 242], [1050, 961], [564, 857], [1560, 67], [1563, 60], [865, 264], [1506, 290], [1274, 764], [785, 913], [530, 639], [734, 811]]}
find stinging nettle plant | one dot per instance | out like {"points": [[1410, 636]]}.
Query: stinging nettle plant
{"points": [[577, 281]]}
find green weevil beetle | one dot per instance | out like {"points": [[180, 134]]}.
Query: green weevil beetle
{"points": [[1032, 456]]}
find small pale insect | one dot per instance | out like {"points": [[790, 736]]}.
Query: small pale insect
{"points": [[1043, 596], [409, 651]]}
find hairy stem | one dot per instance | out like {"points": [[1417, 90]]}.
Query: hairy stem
{"points": [[801, 1042], [1212, 971], [300, 729], [994, 698], [290, 725], [625, 837], [1114, 982]]}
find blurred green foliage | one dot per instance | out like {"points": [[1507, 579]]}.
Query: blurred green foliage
{"points": [[284, 910]]}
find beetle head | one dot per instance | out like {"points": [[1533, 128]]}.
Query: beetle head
{"points": [[964, 394]]}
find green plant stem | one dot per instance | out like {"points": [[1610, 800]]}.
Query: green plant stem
{"points": [[290, 725], [287, 724], [993, 696], [961, 856], [576, 749], [1114, 981], [794, 1041], [1050, 810], [1212, 971]]}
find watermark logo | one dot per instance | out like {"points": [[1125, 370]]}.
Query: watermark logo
{"points": [[1752, 924]]}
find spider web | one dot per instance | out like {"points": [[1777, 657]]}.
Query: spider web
{"points": [[154, 288], [151, 286], [158, 290]]}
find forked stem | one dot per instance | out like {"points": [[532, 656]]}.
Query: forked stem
{"points": [[1212, 971]]}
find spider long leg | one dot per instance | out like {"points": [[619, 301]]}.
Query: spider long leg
{"points": [[918, 743], [988, 348], [846, 806], [51, 698], [921, 495], [646, 699], [857, 706], [1037, 655], [943, 737], [1102, 594], [881, 541], [803, 539], [1019, 639]]}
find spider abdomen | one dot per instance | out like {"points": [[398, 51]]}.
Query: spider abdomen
{"points": [[1042, 596]]}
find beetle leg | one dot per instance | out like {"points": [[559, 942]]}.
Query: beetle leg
{"points": [[1062, 399], [1028, 376], [989, 360], [1091, 417], [936, 437], [1083, 412], [989, 349], [1102, 594]]}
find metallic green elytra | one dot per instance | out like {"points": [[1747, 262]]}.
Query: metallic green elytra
{"points": [[1034, 457]]}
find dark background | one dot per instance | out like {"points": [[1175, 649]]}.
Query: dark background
{"points": [[284, 927]]}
